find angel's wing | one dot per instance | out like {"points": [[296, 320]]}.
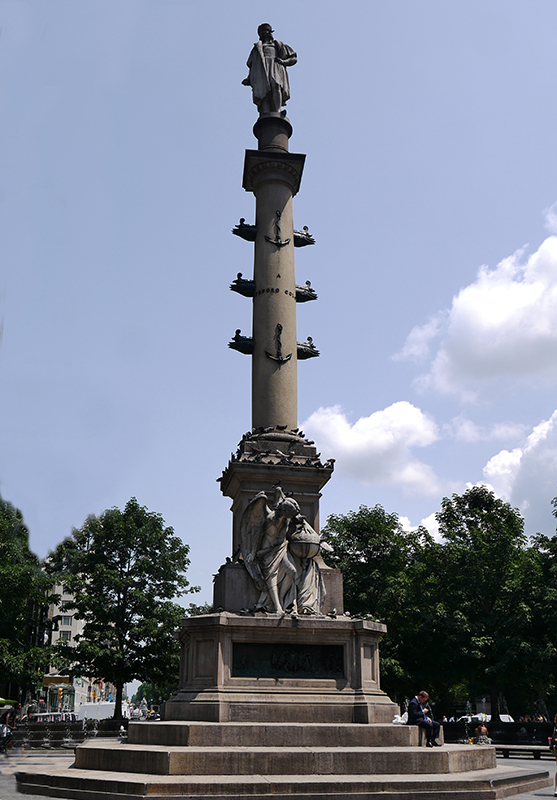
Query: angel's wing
{"points": [[251, 530]]}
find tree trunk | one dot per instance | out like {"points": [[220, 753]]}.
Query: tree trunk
{"points": [[118, 705], [494, 693]]}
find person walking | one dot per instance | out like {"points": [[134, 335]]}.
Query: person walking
{"points": [[6, 725]]}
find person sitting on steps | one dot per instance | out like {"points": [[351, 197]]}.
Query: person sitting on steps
{"points": [[418, 715]]}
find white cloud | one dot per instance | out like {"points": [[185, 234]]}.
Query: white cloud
{"points": [[527, 476], [550, 215], [464, 430], [507, 430], [417, 345], [501, 471], [504, 325], [430, 524], [378, 449]]}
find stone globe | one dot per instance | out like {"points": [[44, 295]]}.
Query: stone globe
{"points": [[305, 542]]}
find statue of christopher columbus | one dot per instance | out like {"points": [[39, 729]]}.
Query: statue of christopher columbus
{"points": [[268, 77]]}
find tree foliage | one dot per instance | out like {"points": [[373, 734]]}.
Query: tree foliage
{"points": [[485, 553], [23, 599], [372, 550], [378, 559], [466, 615], [155, 693], [162, 690], [124, 570]]}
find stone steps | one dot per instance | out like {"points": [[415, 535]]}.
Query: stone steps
{"points": [[477, 785], [278, 761], [271, 734], [261, 760]]}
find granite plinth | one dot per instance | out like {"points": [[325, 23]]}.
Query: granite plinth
{"points": [[264, 459], [270, 668]]}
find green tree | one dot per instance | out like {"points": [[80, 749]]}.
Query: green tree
{"points": [[154, 693], [124, 569], [23, 601], [379, 561], [372, 550], [159, 692], [544, 597], [488, 572], [464, 615], [195, 610]]}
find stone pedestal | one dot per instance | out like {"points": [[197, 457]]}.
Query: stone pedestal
{"points": [[266, 458], [234, 589], [262, 460], [280, 669]]}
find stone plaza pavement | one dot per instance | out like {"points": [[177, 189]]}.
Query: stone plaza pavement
{"points": [[15, 761]]}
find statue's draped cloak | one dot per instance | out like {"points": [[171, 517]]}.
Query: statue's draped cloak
{"points": [[311, 588], [265, 74], [277, 564]]}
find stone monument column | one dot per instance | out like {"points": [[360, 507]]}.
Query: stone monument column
{"points": [[277, 645], [274, 175], [274, 361], [274, 451]]}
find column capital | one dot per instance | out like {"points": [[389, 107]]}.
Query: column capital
{"points": [[261, 166]]}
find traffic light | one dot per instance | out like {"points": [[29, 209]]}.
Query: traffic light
{"points": [[60, 696]]}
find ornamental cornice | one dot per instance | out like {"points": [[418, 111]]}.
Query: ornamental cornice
{"points": [[286, 171], [284, 167]]}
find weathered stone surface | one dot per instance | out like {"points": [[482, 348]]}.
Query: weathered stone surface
{"points": [[261, 461], [88, 785], [239, 734], [234, 589], [211, 691], [279, 547], [249, 473], [286, 760]]}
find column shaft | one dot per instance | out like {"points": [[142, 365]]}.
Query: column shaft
{"points": [[274, 384]]}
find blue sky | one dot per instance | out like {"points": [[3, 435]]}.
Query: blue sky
{"points": [[429, 185]]}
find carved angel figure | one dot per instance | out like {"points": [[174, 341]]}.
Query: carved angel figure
{"points": [[278, 546]]}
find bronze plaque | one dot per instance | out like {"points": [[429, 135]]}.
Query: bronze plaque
{"points": [[253, 660]]}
